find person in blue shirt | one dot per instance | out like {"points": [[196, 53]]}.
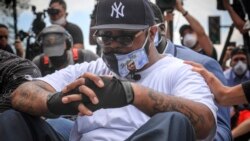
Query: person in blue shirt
{"points": [[164, 45], [239, 71]]}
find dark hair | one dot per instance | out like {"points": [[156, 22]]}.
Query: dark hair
{"points": [[158, 16], [61, 2], [183, 28], [240, 49], [3, 26]]}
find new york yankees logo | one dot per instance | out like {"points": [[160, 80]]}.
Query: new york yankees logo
{"points": [[118, 10]]}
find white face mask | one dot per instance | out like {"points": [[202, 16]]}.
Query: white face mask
{"points": [[190, 40], [60, 21], [240, 68], [132, 61]]}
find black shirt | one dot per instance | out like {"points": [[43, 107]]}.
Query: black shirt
{"points": [[14, 71]]}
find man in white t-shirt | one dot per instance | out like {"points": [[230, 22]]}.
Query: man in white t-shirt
{"points": [[161, 99]]}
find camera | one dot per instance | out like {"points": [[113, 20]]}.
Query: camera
{"points": [[52, 11], [32, 48], [220, 5], [166, 5]]}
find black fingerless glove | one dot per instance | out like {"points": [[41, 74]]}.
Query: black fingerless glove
{"points": [[115, 93], [55, 105]]}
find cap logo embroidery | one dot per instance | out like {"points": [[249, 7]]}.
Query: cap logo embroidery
{"points": [[118, 10]]}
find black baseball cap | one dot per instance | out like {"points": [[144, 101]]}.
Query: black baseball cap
{"points": [[157, 13], [123, 14]]}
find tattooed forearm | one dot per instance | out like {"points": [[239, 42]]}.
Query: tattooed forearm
{"points": [[31, 98], [152, 102], [162, 104]]}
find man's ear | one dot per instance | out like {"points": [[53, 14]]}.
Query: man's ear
{"points": [[152, 32]]}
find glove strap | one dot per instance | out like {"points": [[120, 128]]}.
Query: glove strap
{"points": [[128, 91]]}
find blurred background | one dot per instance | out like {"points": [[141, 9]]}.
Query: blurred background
{"points": [[29, 11]]}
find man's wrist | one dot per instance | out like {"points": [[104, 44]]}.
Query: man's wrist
{"points": [[185, 13], [128, 91], [49, 114]]}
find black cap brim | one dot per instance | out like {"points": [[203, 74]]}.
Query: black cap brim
{"points": [[120, 26]]}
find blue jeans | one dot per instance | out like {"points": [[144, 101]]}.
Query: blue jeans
{"points": [[167, 126], [18, 126], [62, 126]]}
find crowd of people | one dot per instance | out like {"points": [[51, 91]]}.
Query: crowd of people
{"points": [[139, 85]]}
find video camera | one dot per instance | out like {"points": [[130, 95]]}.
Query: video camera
{"points": [[32, 48], [238, 5]]}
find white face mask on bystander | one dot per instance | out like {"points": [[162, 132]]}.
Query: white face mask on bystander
{"points": [[60, 21], [190, 40], [240, 68]]}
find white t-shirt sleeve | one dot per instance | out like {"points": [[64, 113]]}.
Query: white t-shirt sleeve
{"points": [[193, 86]]}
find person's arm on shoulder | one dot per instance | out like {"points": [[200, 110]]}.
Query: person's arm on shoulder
{"points": [[203, 39], [224, 95], [223, 132]]}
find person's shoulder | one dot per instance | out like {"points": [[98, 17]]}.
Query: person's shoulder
{"points": [[5, 54], [9, 49], [190, 55], [227, 72], [71, 25], [171, 62]]}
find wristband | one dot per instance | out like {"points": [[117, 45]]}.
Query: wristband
{"points": [[128, 91], [185, 13], [246, 89]]}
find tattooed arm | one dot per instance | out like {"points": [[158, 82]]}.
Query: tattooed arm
{"points": [[151, 102], [31, 97]]}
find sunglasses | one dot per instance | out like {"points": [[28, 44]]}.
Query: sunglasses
{"points": [[124, 40], [53, 11], [3, 36]]}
